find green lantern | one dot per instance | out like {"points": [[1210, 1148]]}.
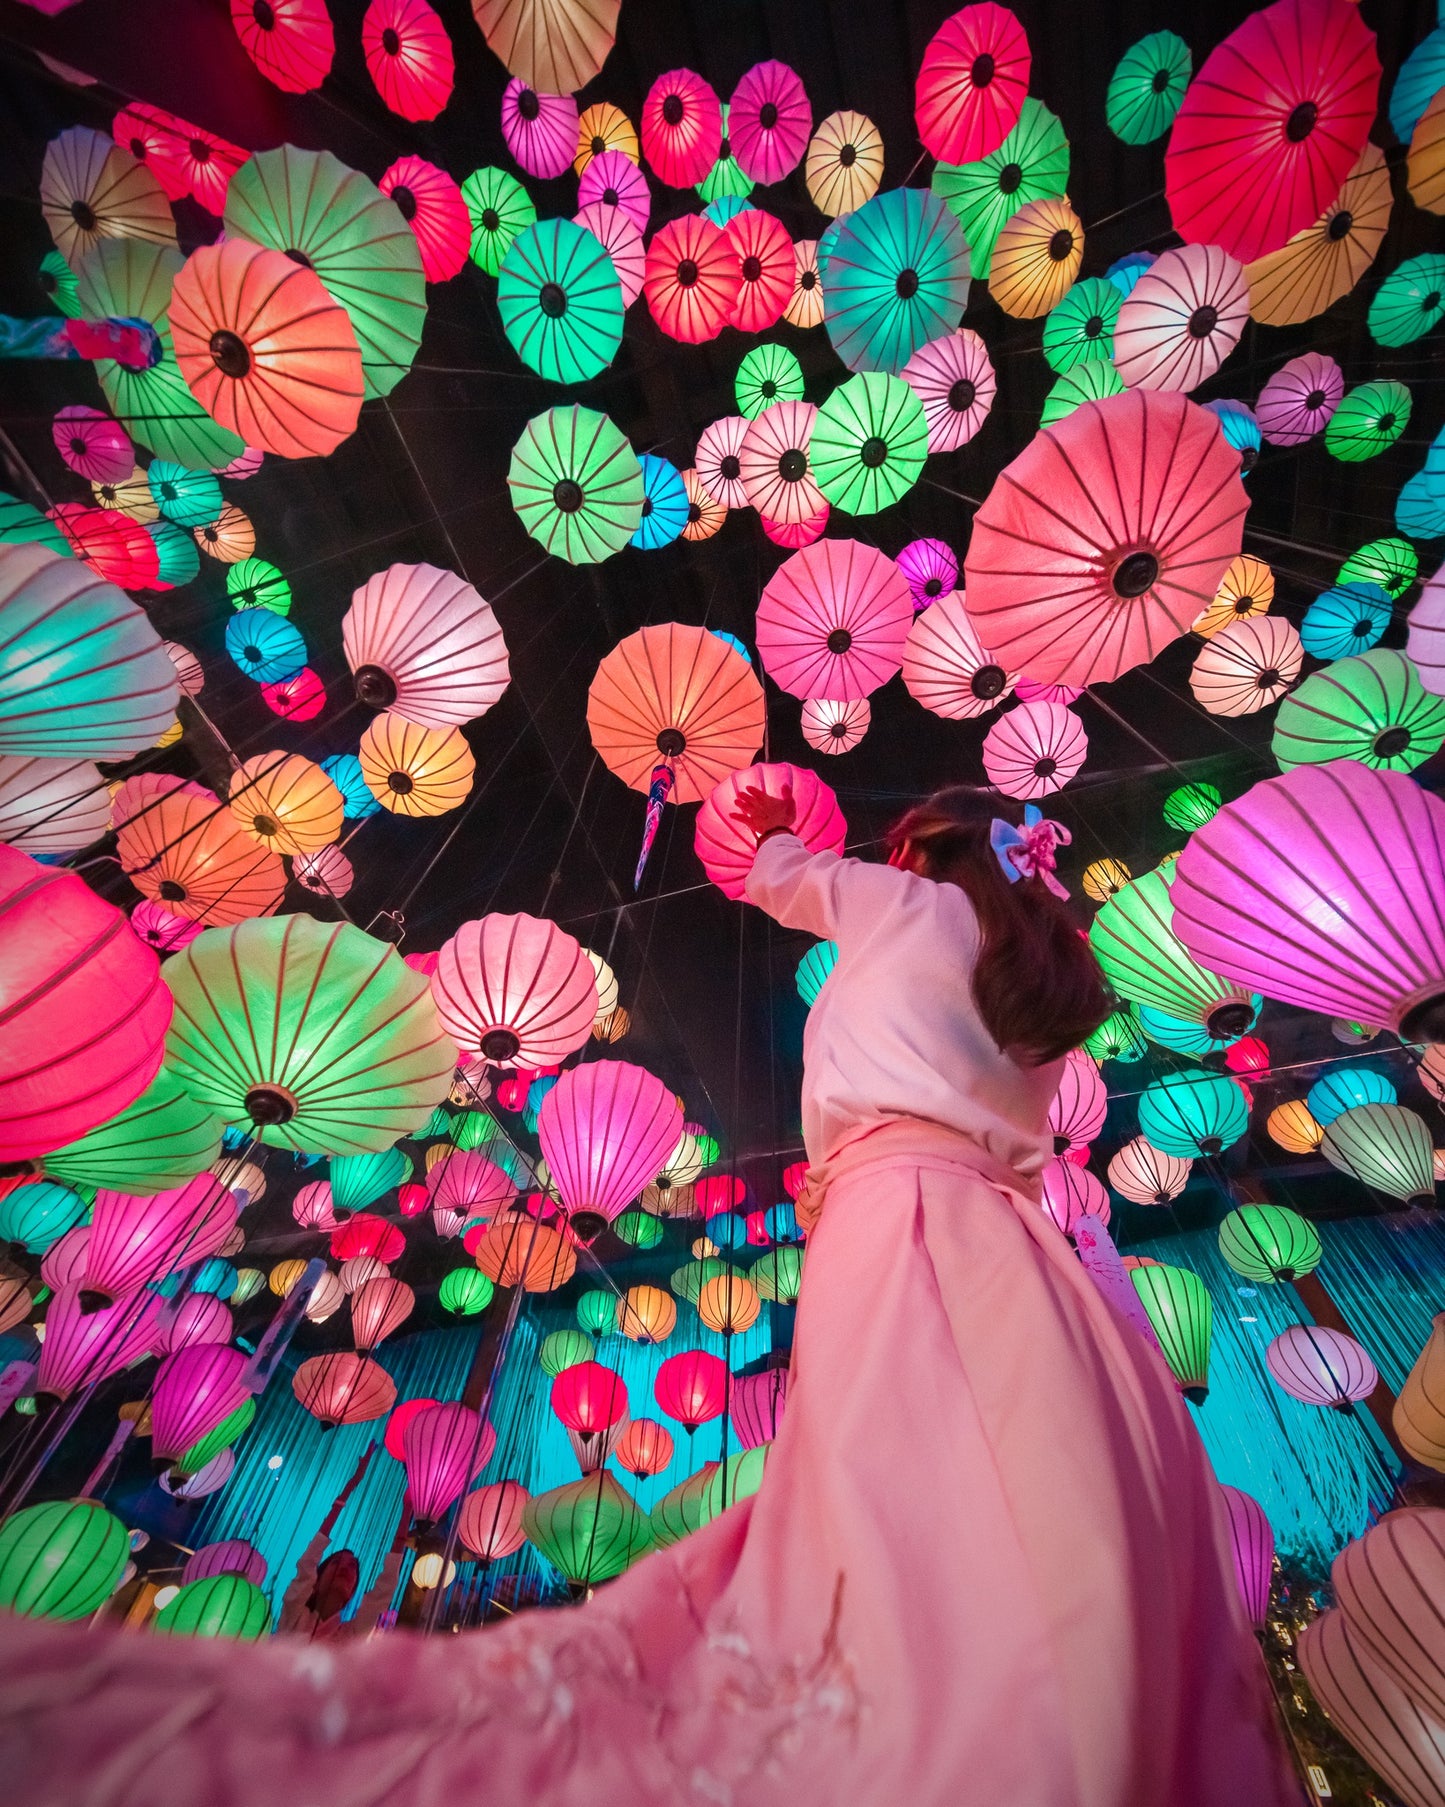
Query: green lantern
{"points": [[1391, 564], [1368, 421], [769, 374], [336, 220], [597, 1313], [679, 1513], [255, 583], [249, 1281], [465, 1291], [1191, 806], [1267, 1243], [813, 970], [358, 1180], [688, 1281], [220, 1606], [870, 439], [1182, 1314], [1095, 381], [1080, 329], [38, 1214], [589, 1530], [1193, 1113], [1147, 87], [57, 283], [1143, 959], [499, 208], [564, 1349], [1409, 301], [1031, 164], [228, 1431], [1118, 1037], [778, 1275], [162, 1140], [19, 521], [61, 1560], [736, 1479], [640, 1228], [706, 1147], [439, 1123], [560, 302], [725, 180], [576, 484], [1385, 1146], [1371, 707]]}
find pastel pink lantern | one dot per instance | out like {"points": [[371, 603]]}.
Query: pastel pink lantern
{"points": [[490, 1521], [326, 871], [1034, 749], [1181, 319], [691, 1387], [1391, 1727], [1147, 1175], [313, 1207], [954, 379], [930, 570], [1080, 1105], [466, 1181], [159, 928], [379, 1307], [1071, 1192], [93, 445], [290, 41], [364, 1233], [589, 1399], [766, 268], [681, 128], [196, 1389], [1271, 125], [1320, 1366], [1325, 887], [114, 546], [81, 1347], [232, 1556], [409, 57], [773, 461], [62, 1268], [769, 122], [1252, 1542], [615, 180], [606, 1131], [245, 464], [1296, 403], [946, 669], [1030, 690], [1105, 538], [431, 204], [719, 460], [424, 645], [444, 1448], [136, 1240], [972, 83], [833, 621], [795, 534], [835, 727], [516, 989], [193, 1318], [1389, 1582], [620, 238], [727, 848], [540, 129], [1425, 643], [758, 1404], [298, 699]]}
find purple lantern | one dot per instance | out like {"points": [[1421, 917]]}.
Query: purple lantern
{"points": [[84, 1346], [196, 1389], [232, 1557], [1298, 400], [540, 129], [1319, 1366], [445, 1448], [1253, 1544], [616, 181], [931, 570], [196, 1318], [135, 1240], [758, 1403]]}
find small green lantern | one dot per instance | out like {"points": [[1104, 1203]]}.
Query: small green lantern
{"points": [[220, 1606], [1267, 1243], [206, 1449], [563, 1349], [1118, 1037], [1182, 1314], [1191, 806], [465, 1291], [640, 1228], [597, 1313]]}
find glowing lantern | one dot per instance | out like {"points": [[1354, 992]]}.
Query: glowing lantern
{"points": [[833, 620], [727, 849], [1193, 1113], [1267, 1243], [728, 1303], [691, 1387], [691, 279], [498, 208], [1249, 664], [869, 443], [186, 852], [160, 1141], [413, 771], [1071, 1192], [51, 806], [1419, 1413], [590, 1400], [298, 699], [342, 1388], [378, 1307], [93, 445], [1319, 1366], [953, 378], [1371, 708], [944, 666], [681, 127], [82, 1347], [1245, 590], [897, 279], [408, 56], [1252, 1544], [604, 127], [290, 41], [367, 1234], [217, 1606], [769, 120], [61, 1560], [679, 1513], [766, 269], [1034, 749], [612, 179], [1134, 941], [92, 189], [423, 644], [1343, 1088], [645, 1314], [589, 1530], [135, 1240], [1147, 1175], [445, 1447], [286, 802], [490, 1521], [1077, 1112], [431, 204], [1368, 421], [1385, 1146], [519, 1251], [196, 1388], [576, 484], [1298, 400], [1323, 261], [1411, 299], [1386, 1584], [606, 1130], [1180, 1310], [516, 989], [644, 1448], [972, 82], [1181, 319]]}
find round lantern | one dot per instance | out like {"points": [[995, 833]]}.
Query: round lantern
{"points": [[1392, 1729], [220, 1606], [286, 802], [414, 771], [727, 847], [490, 1521], [1147, 1175], [1071, 1192], [606, 1130], [1385, 1146], [195, 1390], [342, 1388], [589, 1530], [1252, 1544], [1193, 1113], [516, 989], [136, 1240], [646, 1314], [444, 1447], [60, 1560], [1266, 1243], [1319, 1366], [691, 1387]]}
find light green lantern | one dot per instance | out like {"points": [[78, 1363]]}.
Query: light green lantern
{"points": [[1118, 1037], [220, 1606], [639, 1228], [1191, 806], [499, 208], [1368, 421], [681, 1512], [1392, 564], [1080, 329], [564, 1349], [1095, 381], [228, 1431], [769, 374], [1371, 707], [1385, 1146], [870, 440], [1182, 1313], [255, 583], [60, 1560], [589, 1530], [1267, 1243], [778, 1275], [1031, 164], [1143, 959], [1147, 87], [736, 1479], [687, 1282], [19, 521]]}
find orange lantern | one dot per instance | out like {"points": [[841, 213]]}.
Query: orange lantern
{"points": [[229, 538], [728, 1303], [519, 1251], [414, 771], [644, 1448], [342, 1388], [646, 1314], [182, 847], [286, 802]]}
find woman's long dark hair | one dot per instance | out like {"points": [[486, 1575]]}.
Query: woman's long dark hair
{"points": [[1036, 983]]}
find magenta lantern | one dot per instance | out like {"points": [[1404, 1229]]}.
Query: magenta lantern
{"points": [[232, 1557], [1080, 1105], [1253, 1544], [136, 1240], [85, 1346], [540, 129], [445, 1447], [930, 569], [719, 1192], [313, 1206], [62, 1267], [93, 445], [727, 847], [196, 1388], [196, 1318], [691, 1387], [606, 1131], [757, 1405], [490, 1521], [365, 1233], [1072, 1192], [466, 1181]]}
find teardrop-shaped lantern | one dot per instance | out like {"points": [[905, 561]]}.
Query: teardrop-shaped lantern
{"points": [[1182, 1314], [606, 1131], [136, 1240]]}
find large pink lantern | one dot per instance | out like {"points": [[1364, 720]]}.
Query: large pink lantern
{"points": [[833, 621], [944, 666], [972, 83], [606, 1131], [1298, 400], [1390, 1583], [1071, 1192], [81, 1346], [1392, 1729], [758, 1403], [408, 56], [445, 1448], [431, 204], [196, 1388], [93, 445], [1252, 1541], [516, 989], [423, 644], [953, 378], [540, 129], [681, 128], [1320, 1366], [727, 848], [194, 1318], [135, 1240], [1325, 887], [1080, 1105], [769, 122], [1105, 538], [466, 1181], [490, 1521], [1034, 749]]}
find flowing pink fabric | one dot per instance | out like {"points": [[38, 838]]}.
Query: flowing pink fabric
{"points": [[987, 1562]]}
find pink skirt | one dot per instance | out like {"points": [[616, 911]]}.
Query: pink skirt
{"points": [[988, 1563]]}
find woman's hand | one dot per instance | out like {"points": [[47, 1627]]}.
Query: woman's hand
{"points": [[756, 810]]}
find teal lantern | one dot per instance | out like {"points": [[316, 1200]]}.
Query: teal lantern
{"points": [[358, 1180], [1147, 87], [560, 301], [189, 498], [344, 771], [220, 1606], [60, 1560], [178, 558], [20, 521], [1193, 1113], [37, 1214], [813, 970], [1347, 619], [1185, 1037], [1409, 301], [597, 1313], [1191, 806], [725, 208], [898, 276], [1346, 1088], [1080, 329]]}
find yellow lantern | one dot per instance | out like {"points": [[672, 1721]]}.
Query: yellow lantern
{"points": [[1104, 877], [1247, 588], [286, 802], [1293, 1127], [1036, 258], [284, 1276], [415, 771], [426, 1571], [229, 538], [728, 1303], [131, 496], [613, 1026], [646, 1314], [171, 735]]}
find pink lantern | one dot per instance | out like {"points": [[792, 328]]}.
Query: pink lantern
{"points": [[84, 1346], [195, 1318], [606, 1131], [155, 925], [1252, 1541], [515, 988], [953, 378], [1181, 319], [835, 727], [62, 1267], [727, 848], [691, 1387], [769, 122], [773, 466], [210, 1479], [1072, 1192], [1146, 1175], [690, 278], [93, 445], [972, 83], [408, 56], [326, 871], [1389, 1583], [1249, 1057], [135, 1240], [343, 1388], [794, 535], [445, 1448], [1080, 1105], [196, 1388], [490, 1521], [833, 620], [1325, 887], [1034, 749], [379, 1307], [234, 1556], [1296, 403], [431, 204], [681, 128], [946, 669], [614, 180], [1105, 538], [589, 1398], [412, 1199], [930, 570], [719, 460], [423, 644], [1426, 641], [766, 267], [620, 238], [245, 464], [152, 138], [540, 129], [795, 1177], [718, 1193], [396, 1424], [1391, 1728], [298, 699], [467, 1181], [1030, 690], [313, 1207], [355, 1273], [364, 1233], [1319, 1366], [758, 1403]]}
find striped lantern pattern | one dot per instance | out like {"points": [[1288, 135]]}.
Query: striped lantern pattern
{"points": [[1390, 1728], [287, 802], [184, 849], [835, 727], [1385, 1146], [490, 1521], [1146, 1175], [1251, 1542], [422, 643], [51, 806], [1134, 941], [516, 989], [719, 460], [1034, 749], [344, 1388], [773, 465], [136, 1240], [445, 1446], [946, 668], [414, 771], [1319, 1366], [727, 847], [606, 1131], [1387, 1583], [1181, 319], [196, 1388], [833, 621], [1080, 1105], [82, 1346], [1247, 665], [1071, 1192]]}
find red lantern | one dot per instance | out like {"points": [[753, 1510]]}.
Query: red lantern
{"points": [[114, 546], [1249, 1057], [402, 1416], [290, 41], [298, 699], [722, 1192], [589, 1398], [431, 204], [412, 1199], [691, 279], [767, 268], [367, 1234], [794, 1179], [342, 1388], [408, 56], [691, 1387], [681, 128]]}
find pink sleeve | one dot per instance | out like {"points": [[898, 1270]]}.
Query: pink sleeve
{"points": [[820, 892]]}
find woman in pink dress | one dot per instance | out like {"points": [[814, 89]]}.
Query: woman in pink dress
{"points": [[987, 1562]]}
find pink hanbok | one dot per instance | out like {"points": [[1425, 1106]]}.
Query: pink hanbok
{"points": [[987, 1564]]}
